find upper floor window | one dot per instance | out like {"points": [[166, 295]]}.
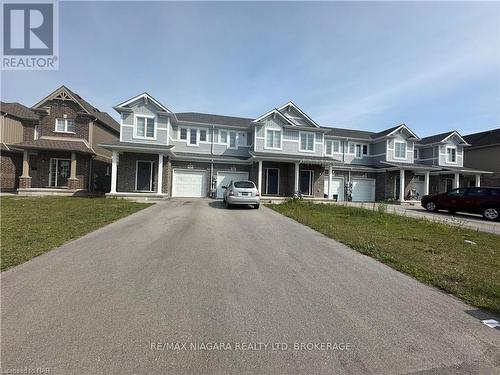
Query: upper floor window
{"points": [[232, 139], [415, 153], [328, 148], [183, 134], [451, 155], [145, 127], [365, 149], [306, 142], [193, 136], [351, 148], [203, 135], [399, 150], [64, 125], [358, 151], [223, 136], [273, 139], [336, 146]]}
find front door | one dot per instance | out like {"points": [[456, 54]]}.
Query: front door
{"points": [[272, 181], [59, 172], [144, 176], [305, 182]]}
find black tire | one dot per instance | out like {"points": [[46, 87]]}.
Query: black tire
{"points": [[431, 206], [256, 206], [491, 213]]}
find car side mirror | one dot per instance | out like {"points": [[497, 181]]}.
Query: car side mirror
{"points": [[224, 187]]}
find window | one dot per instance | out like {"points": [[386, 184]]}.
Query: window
{"points": [[145, 127], [451, 155], [365, 149], [203, 135], [64, 125], [184, 134], [244, 184], [400, 150], [456, 192], [193, 136], [223, 136], [351, 148], [328, 149], [358, 151], [35, 132], [306, 142], [232, 139], [477, 192], [273, 139], [415, 153], [336, 146]]}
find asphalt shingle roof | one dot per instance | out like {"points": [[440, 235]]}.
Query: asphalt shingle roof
{"points": [[207, 118], [434, 138], [55, 144], [349, 133], [489, 137], [18, 110]]}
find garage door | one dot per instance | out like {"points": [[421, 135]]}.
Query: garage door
{"points": [[225, 177], [337, 187], [189, 183], [363, 190]]}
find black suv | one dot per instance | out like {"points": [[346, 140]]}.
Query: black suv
{"points": [[477, 200]]}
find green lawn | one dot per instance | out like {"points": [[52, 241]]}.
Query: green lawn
{"points": [[33, 226], [432, 252]]}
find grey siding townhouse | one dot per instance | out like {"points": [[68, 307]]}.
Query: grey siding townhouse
{"points": [[163, 153], [484, 152]]}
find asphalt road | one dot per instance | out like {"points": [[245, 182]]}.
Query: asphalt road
{"points": [[192, 272]]}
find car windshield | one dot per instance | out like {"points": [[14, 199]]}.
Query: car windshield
{"points": [[244, 184]]}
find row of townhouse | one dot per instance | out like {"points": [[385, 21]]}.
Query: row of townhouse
{"points": [[156, 152]]}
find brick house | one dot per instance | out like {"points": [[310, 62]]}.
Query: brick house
{"points": [[56, 148]]}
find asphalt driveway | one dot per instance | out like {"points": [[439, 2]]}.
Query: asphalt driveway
{"points": [[191, 272]]}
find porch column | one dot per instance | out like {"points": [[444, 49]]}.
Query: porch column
{"points": [[330, 171], [72, 173], [456, 180], [260, 177], [25, 179], [160, 174], [478, 180], [401, 185], [26, 164], [296, 179], [426, 183], [114, 169], [73, 181]]}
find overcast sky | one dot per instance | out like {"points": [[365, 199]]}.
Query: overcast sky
{"points": [[369, 66]]}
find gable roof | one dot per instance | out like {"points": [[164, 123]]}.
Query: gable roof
{"points": [[102, 117], [18, 110], [145, 96], [274, 112], [302, 113], [207, 118], [391, 131], [436, 138], [486, 138]]}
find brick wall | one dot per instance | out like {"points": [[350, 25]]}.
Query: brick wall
{"points": [[11, 167], [126, 171], [57, 109], [40, 168]]}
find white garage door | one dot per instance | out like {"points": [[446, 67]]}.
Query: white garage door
{"points": [[189, 183], [225, 177], [363, 190], [337, 187]]}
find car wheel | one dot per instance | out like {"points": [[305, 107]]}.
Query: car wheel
{"points": [[256, 206], [431, 206], [491, 213]]}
